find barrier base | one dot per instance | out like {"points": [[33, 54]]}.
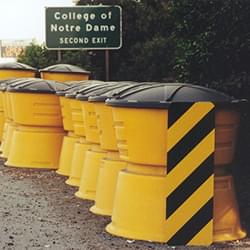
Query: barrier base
{"points": [[35, 147], [77, 163], [5, 128], [227, 224], [66, 154], [106, 186], [8, 140], [139, 209], [2, 121], [87, 188]]}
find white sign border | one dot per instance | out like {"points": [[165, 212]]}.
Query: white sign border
{"points": [[81, 48]]}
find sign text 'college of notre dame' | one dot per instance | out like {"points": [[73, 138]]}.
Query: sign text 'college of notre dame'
{"points": [[85, 27]]}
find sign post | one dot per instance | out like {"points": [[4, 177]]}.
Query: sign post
{"points": [[107, 64], [94, 27]]}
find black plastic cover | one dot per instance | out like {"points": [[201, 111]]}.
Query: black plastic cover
{"points": [[16, 66], [85, 94], [64, 68], [35, 85], [162, 95], [7, 82], [84, 88], [116, 90], [73, 87]]}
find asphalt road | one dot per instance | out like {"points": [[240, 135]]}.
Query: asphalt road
{"points": [[39, 211]]}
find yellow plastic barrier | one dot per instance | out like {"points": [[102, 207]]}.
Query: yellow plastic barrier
{"points": [[8, 114], [73, 123], [16, 70], [111, 164], [95, 154], [64, 73], [71, 138], [35, 110], [170, 159], [7, 71], [75, 155]]}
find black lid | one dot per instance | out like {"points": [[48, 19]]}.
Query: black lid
{"points": [[16, 66], [7, 82], [35, 85], [75, 86], [162, 95], [72, 93], [86, 93], [64, 68], [116, 90], [71, 88]]}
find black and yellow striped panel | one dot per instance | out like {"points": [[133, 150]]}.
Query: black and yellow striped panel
{"points": [[190, 173]]}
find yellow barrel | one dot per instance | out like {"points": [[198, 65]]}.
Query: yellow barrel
{"points": [[148, 131], [16, 70], [12, 70], [8, 111], [112, 164], [94, 154], [73, 123], [64, 73], [70, 139], [37, 115]]}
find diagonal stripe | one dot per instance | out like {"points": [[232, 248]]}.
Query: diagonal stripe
{"points": [[194, 225], [190, 140], [186, 122], [190, 162], [177, 111], [190, 207], [204, 237], [189, 186]]}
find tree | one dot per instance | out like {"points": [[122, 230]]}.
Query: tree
{"points": [[147, 51], [212, 43], [39, 57]]}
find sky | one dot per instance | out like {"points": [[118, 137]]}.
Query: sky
{"points": [[25, 19]]}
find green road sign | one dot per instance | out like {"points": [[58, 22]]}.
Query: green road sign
{"points": [[84, 27]]}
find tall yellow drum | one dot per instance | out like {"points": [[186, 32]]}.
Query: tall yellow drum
{"points": [[64, 73], [70, 138], [76, 151], [37, 138], [16, 70], [94, 154], [9, 125], [176, 139], [112, 164], [7, 71]]}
